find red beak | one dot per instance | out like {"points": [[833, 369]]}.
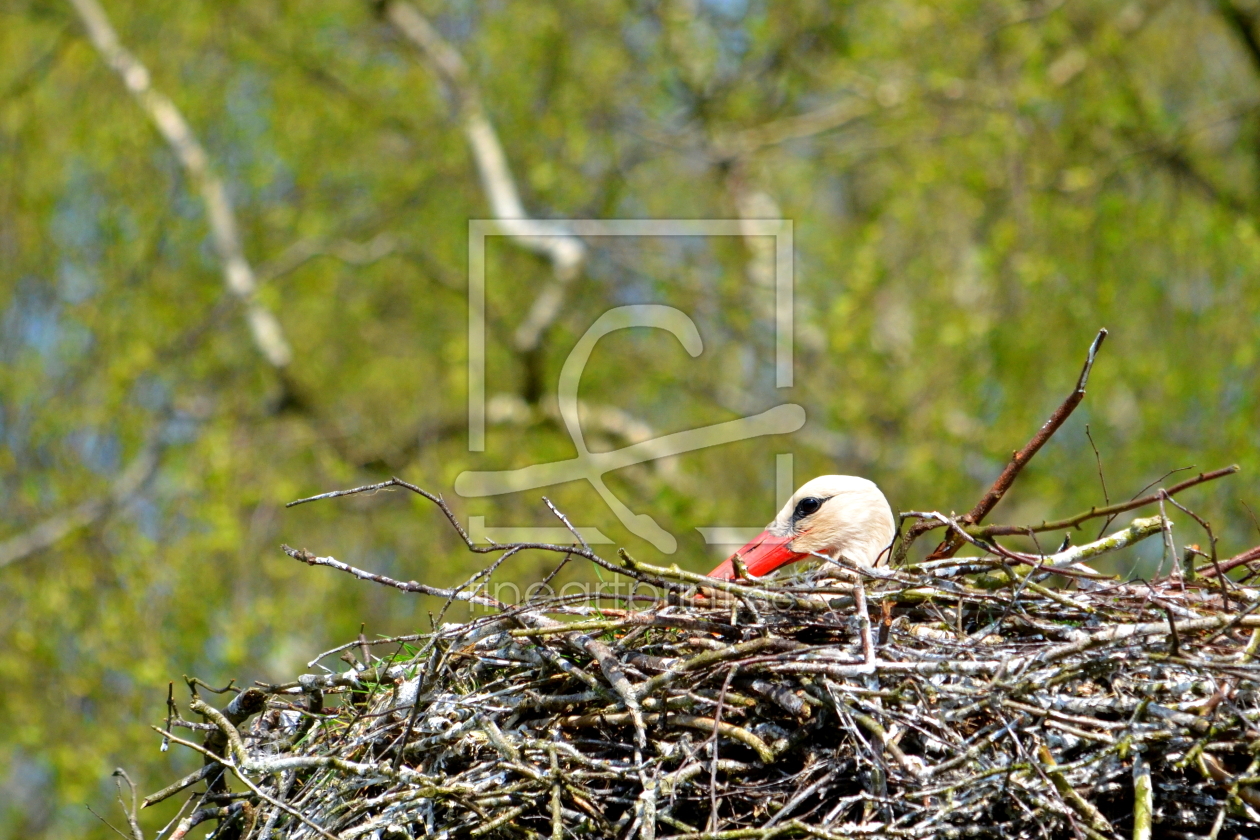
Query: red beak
{"points": [[761, 556]]}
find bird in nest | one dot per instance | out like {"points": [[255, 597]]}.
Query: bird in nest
{"points": [[840, 517]]}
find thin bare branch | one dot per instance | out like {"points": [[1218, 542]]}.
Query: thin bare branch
{"points": [[238, 274], [1251, 555], [1094, 513], [404, 586], [566, 252], [129, 808], [1019, 459]]}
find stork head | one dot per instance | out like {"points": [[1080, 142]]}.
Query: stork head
{"points": [[833, 515]]}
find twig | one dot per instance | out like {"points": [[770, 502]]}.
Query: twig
{"points": [[864, 622], [1251, 514], [1098, 461], [184, 783], [567, 524], [1087, 810], [1067, 561], [1189, 571], [711, 823], [231, 765], [367, 488], [110, 825], [132, 809], [1143, 799], [1107, 523], [950, 545], [172, 711], [704, 724], [1249, 556], [627, 569], [1021, 458], [406, 586], [1094, 513], [1174, 641]]}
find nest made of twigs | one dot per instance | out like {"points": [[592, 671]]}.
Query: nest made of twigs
{"points": [[959, 698]]}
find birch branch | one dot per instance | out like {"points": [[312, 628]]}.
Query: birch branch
{"points": [[238, 275], [566, 252]]}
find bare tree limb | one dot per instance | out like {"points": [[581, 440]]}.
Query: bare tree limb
{"points": [[566, 252], [132, 809], [1019, 459], [238, 275], [1094, 513], [59, 525]]}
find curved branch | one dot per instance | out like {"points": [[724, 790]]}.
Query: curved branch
{"points": [[1094, 513], [566, 252], [238, 275]]}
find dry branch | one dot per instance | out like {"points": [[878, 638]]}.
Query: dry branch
{"points": [[1099, 512], [1251, 555], [950, 545]]}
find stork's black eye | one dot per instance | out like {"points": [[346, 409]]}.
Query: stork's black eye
{"points": [[806, 507]]}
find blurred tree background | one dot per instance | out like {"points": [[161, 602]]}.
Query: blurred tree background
{"points": [[975, 187]]}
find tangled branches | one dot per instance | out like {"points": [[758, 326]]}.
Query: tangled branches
{"points": [[961, 697]]}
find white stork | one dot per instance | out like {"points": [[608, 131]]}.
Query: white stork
{"points": [[832, 515]]}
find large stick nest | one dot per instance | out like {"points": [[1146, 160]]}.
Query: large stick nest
{"points": [[1002, 694], [957, 698]]}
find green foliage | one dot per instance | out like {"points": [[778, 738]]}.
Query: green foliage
{"points": [[1012, 177]]}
